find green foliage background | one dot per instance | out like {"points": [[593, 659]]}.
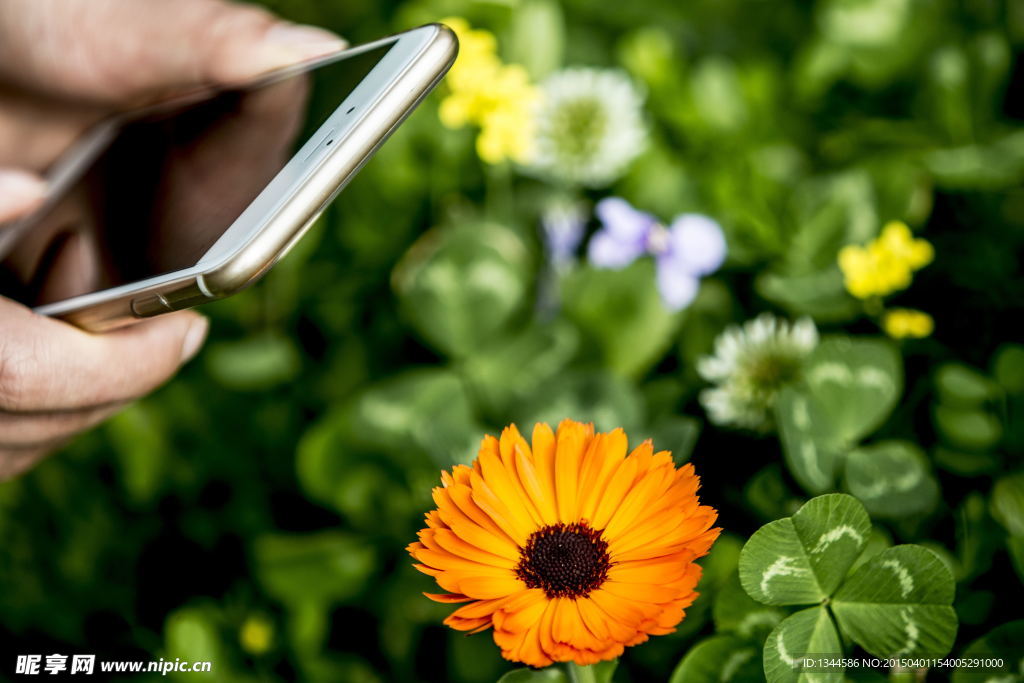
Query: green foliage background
{"points": [[280, 476]]}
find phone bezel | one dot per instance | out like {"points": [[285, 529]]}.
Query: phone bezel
{"points": [[289, 204]]}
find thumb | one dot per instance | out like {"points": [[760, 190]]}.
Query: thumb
{"points": [[47, 365], [20, 192]]}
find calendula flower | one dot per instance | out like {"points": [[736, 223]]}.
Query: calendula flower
{"points": [[589, 126], [692, 247], [485, 92], [567, 547], [900, 323], [886, 264], [750, 365]]}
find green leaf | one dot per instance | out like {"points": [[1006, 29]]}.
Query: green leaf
{"points": [[809, 632], [898, 604], [601, 672], [537, 37], [1008, 368], [1004, 642], [961, 386], [191, 634], [254, 363], [138, 436], [856, 382], [802, 559], [892, 479], [968, 428], [551, 674], [819, 294], [461, 285], [419, 411], [967, 464], [719, 659], [807, 440], [1007, 503], [1015, 549], [320, 458], [599, 397], [503, 373], [993, 166], [676, 433], [621, 313], [735, 611], [720, 563], [323, 567], [768, 494]]}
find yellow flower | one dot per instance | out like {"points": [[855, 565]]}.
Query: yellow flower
{"points": [[900, 323], [897, 240], [886, 264], [256, 635], [570, 549], [497, 97], [478, 57]]}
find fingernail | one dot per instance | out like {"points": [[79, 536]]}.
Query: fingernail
{"points": [[301, 42], [194, 338], [19, 192]]}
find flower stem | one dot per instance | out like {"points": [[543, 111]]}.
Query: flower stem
{"points": [[581, 674]]}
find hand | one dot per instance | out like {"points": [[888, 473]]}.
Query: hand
{"points": [[65, 64]]}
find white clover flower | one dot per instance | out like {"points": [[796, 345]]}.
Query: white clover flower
{"points": [[589, 127], [749, 367]]}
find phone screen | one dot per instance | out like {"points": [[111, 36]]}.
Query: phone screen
{"points": [[171, 182]]}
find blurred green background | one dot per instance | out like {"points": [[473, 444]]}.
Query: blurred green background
{"points": [[254, 511]]}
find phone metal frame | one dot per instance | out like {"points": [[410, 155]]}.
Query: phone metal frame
{"points": [[287, 207]]}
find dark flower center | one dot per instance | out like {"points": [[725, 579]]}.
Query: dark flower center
{"points": [[564, 560]]}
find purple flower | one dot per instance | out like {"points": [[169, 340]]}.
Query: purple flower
{"points": [[692, 247], [563, 224]]}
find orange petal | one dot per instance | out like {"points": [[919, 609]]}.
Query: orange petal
{"points": [[440, 559], [650, 593], [598, 469], [502, 478], [451, 542], [534, 488], [648, 488], [521, 612], [488, 587], [618, 485], [569, 447], [448, 597], [511, 518], [656, 571]]}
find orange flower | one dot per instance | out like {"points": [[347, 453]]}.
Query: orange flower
{"points": [[570, 549]]}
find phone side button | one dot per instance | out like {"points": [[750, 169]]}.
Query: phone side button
{"points": [[148, 306]]}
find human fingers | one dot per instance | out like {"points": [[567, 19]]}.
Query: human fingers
{"points": [[65, 46], [49, 366], [20, 192]]}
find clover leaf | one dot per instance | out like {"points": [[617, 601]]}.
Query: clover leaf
{"points": [[808, 632], [897, 603], [892, 478], [718, 659], [850, 387], [801, 559]]}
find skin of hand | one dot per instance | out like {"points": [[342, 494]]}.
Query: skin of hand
{"points": [[65, 64]]}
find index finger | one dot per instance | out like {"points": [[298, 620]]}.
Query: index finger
{"points": [[65, 47]]}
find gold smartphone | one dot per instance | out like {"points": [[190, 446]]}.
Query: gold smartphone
{"points": [[194, 199]]}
